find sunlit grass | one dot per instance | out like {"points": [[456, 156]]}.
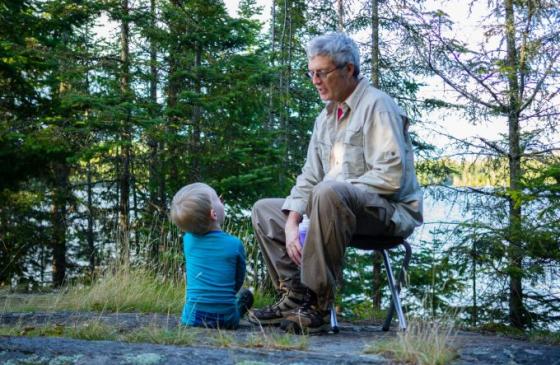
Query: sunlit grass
{"points": [[16, 302], [93, 330], [533, 335], [82, 331], [178, 336], [424, 343], [142, 288], [183, 336], [262, 299], [277, 341], [126, 290], [223, 339], [548, 337], [119, 290], [134, 290], [90, 330], [363, 311]]}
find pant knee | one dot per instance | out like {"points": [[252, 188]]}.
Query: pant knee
{"points": [[324, 189], [257, 210]]}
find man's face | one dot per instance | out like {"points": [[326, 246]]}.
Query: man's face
{"points": [[333, 86]]}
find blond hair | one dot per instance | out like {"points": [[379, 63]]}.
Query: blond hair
{"points": [[190, 208]]}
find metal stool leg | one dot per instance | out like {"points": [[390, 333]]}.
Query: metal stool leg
{"points": [[395, 288], [334, 321]]}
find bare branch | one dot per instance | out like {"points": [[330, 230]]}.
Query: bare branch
{"points": [[541, 152], [541, 114], [469, 72], [493, 145], [499, 151], [452, 84], [539, 85], [460, 90], [478, 191]]}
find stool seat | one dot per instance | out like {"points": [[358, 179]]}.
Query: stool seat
{"points": [[376, 242]]}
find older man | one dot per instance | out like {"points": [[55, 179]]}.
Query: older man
{"points": [[358, 180]]}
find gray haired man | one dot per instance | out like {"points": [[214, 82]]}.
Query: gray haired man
{"points": [[358, 180]]}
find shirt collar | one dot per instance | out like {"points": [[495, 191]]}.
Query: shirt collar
{"points": [[352, 100]]}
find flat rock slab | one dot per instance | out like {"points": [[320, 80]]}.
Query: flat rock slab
{"points": [[480, 349], [27, 350], [346, 347]]}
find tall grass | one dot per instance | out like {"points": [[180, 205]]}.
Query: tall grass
{"points": [[424, 343], [124, 290], [119, 290], [140, 283]]}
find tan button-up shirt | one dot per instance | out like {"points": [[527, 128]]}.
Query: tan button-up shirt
{"points": [[369, 147]]}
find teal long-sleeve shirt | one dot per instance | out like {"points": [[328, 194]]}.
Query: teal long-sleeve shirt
{"points": [[215, 265]]}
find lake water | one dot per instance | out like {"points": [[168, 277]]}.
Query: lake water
{"points": [[444, 209]]}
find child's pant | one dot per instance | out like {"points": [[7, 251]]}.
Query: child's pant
{"points": [[225, 316]]}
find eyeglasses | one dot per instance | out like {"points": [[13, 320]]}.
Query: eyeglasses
{"points": [[322, 74]]}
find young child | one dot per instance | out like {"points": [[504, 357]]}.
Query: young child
{"points": [[215, 260]]}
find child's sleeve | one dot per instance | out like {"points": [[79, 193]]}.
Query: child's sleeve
{"points": [[240, 270]]}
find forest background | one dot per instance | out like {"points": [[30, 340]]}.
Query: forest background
{"points": [[98, 131]]}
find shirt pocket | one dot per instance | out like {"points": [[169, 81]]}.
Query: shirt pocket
{"points": [[324, 151], [354, 159]]}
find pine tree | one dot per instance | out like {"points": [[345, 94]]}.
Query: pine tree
{"points": [[512, 74]]}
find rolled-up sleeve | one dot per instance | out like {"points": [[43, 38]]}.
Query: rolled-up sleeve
{"points": [[311, 174]]}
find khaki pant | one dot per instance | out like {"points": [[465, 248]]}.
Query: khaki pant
{"points": [[338, 211]]}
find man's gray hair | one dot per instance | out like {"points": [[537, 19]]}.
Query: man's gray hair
{"points": [[338, 46]]}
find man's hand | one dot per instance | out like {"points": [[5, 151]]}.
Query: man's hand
{"points": [[293, 246]]}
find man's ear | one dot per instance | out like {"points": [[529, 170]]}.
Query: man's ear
{"points": [[350, 68], [213, 215]]}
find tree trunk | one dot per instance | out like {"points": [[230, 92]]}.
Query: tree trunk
{"points": [[134, 191], [90, 235], [286, 92], [377, 258], [340, 13], [517, 313], [173, 88], [155, 169], [474, 315], [124, 179], [195, 145], [58, 217], [375, 43], [272, 63], [281, 81]]}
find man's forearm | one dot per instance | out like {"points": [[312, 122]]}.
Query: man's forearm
{"points": [[293, 218]]}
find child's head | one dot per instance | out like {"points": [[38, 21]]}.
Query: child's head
{"points": [[197, 208]]}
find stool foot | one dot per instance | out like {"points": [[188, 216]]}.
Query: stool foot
{"points": [[334, 322]]}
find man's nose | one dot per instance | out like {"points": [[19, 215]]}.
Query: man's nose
{"points": [[316, 79]]}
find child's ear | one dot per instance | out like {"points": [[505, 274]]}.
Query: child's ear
{"points": [[213, 215]]}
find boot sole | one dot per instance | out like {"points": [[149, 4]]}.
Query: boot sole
{"points": [[266, 322]]}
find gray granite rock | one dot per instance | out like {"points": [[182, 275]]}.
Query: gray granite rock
{"points": [[346, 347]]}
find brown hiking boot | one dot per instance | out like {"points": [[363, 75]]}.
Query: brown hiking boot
{"points": [[275, 313], [307, 319]]}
